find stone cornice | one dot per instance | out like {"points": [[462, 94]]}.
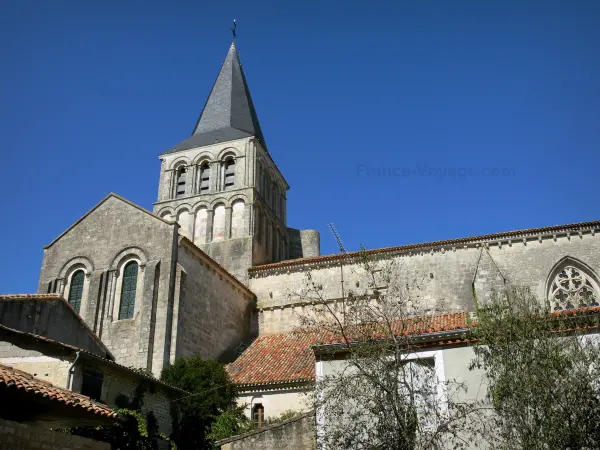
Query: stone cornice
{"points": [[498, 239]]}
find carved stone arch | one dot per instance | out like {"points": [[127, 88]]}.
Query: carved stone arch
{"points": [[227, 152], [200, 204], [183, 207], [162, 212], [218, 201], [182, 160], [126, 255], [76, 263], [237, 197], [202, 157], [572, 284]]}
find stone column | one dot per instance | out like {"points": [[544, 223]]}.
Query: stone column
{"points": [[60, 286], [227, 222], [249, 219], [161, 180], [214, 176], [209, 225], [167, 187], [189, 179], [112, 288]]}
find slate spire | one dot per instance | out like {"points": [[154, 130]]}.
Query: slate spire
{"points": [[229, 113]]}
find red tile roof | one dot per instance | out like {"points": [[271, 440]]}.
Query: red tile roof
{"points": [[288, 357], [531, 232], [17, 379]]}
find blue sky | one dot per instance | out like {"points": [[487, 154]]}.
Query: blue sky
{"points": [[400, 122]]}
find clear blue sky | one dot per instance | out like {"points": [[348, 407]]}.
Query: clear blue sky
{"points": [[367, 108]]}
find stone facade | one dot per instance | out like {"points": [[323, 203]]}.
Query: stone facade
{"points": [[14, 435], [239, 225], [451, 274], [275, 400], [112, 235]]}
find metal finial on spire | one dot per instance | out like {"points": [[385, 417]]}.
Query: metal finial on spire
{"points": [[233, 29]]}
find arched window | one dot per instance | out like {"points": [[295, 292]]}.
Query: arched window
{"points": [[200, 226], [127, 304], [219, 223], [76, 290], [258, 414], [572, 288], [180, 187], [204, 177], [229, 173], [237, 219], [184, 219]]}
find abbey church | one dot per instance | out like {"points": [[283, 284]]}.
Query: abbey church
{"points": [[214, 269]]}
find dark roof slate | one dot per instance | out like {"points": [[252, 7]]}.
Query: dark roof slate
{"points": [[229, 112]]}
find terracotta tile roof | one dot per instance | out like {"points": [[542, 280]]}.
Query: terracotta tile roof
{"points": [[288, 357], [17, 379], [466, 240]]}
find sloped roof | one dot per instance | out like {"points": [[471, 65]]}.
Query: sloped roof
{"points": [[19, 380], [229, 112], [47, 302], [111, 195], [289, 357], [4, 330]]}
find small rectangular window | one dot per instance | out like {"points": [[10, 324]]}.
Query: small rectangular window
{"points": [[91, 385]]}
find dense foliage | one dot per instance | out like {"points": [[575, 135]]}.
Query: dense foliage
{"points": [[379, 392], [543, 373], [211, 394]]}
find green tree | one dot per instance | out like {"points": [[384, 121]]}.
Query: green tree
{"points": [[542, 371], [211, 394], [380, 394]]}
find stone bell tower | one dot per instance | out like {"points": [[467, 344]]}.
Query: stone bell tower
{"points": [[221, 184]]}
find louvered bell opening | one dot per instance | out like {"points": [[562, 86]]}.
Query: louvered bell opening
{"points": [[181, 183], [204, 180], [230, 174]]}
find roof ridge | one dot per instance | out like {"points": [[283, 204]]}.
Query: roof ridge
{"points": [[97, 205], [463, 240]]}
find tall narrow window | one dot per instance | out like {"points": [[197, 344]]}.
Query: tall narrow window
{"points": [[76, 290], [130, 274], [219, 223], [204, 177], [180, 188], [258, 414], [200, 226], [237, 219], [229, 173]]}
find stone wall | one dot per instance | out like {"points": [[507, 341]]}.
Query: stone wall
{"points": [[448, 275], [99, 244], [117, 381], [276, 401], [294, 434], [18, 436], [213, 309], [39, 362]]}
